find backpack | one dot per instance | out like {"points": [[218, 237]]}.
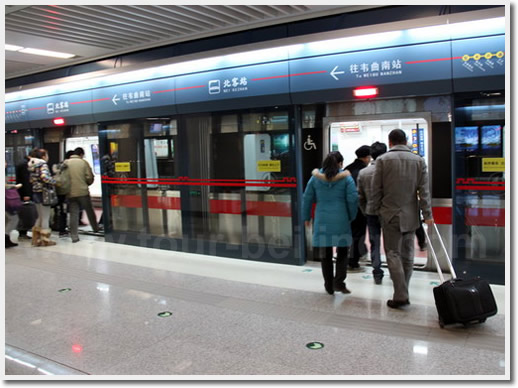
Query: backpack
{"points": [[62, 179], [13, 203]]}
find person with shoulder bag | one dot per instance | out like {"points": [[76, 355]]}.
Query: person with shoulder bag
{"points": [[81, 176], [43, 194], [63, 185]]}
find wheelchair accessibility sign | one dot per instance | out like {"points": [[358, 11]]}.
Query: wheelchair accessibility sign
{"points": [[309, 144]]}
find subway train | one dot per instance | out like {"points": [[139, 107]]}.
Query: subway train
{"points": [[210, 152]]}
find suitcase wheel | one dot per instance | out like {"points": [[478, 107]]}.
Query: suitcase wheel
{"points": [[482, 320], [441, 323]]}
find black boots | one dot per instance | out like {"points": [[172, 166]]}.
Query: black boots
{"points": [[8, 242]]}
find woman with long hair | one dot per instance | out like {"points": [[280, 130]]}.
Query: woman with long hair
{"points": [[336, 198], [40, 175]]}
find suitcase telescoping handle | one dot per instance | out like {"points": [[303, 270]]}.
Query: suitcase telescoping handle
{"points": [[450, 265]]}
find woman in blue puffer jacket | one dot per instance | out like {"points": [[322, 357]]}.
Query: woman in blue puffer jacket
{"points": [[336, 198]]}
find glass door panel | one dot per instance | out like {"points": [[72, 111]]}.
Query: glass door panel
{"points": [[121, 165], [163, 193], [479, 198]]}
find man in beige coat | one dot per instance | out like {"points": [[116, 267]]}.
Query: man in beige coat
{"points": [[81, 176], [399, 179]]}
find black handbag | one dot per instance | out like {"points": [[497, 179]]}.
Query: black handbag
{"points": [[49, 195]]}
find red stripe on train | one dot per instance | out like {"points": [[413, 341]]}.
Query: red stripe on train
{"points": [[217, 206], [472, 216], [442, 215], [485, 217]]}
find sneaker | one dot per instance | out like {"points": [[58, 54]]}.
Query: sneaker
{"points": [[64, 234]]}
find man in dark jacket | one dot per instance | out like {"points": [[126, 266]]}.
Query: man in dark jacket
{"points": [[27, 215], [359, 225]]}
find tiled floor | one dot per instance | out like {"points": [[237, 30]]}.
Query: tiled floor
{"points": [[228, 318]]}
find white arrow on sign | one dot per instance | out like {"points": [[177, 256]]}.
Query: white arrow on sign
{"points": [[333, 72], [115, 99]]}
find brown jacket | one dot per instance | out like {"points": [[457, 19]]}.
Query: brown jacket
{"points": [[81, 176]]}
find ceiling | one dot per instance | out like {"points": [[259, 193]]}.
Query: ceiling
{"points": [[93, 32]]}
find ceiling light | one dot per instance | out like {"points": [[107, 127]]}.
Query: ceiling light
{"points": [[12, 47], [46, 53]]}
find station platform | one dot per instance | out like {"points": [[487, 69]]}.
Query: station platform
{"points": [[94, 309]]}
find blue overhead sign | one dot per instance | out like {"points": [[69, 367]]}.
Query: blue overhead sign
{"points": [[250, 81], [135, 95], [378, 67], [415, 66], [61, 105]]}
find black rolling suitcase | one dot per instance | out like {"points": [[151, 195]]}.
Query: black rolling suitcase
{"points": [[459, 300]]}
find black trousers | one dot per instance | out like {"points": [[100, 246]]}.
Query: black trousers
{"points": [[332, 279], [421, 238], [359, 229]]}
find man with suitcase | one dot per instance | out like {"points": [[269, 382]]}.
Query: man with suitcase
{"points": [[399, 179]]}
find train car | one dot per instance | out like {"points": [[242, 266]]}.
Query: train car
{"points": [[210, 153]]}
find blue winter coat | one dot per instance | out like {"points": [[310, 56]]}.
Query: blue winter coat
{"points": [[337, 205]]}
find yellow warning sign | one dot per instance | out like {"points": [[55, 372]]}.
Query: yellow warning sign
{"points": [[493, 164], [269, 165], [122, 167]]}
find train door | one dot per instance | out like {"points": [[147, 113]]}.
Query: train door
{"points": [[161, 164], [90, 144], [347, 134], [121, 159], [239, 194]]}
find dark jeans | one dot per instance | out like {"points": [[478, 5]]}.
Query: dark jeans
{"points": [[359, 228], [74, 204], [373, 223], [61, 213], [325, 254]]}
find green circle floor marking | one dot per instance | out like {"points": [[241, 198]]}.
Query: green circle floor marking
{"points": [[165, 314], [315, 345], [65, 290]]}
